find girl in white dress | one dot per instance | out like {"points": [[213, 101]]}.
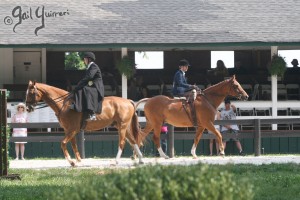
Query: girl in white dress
{"points": [[20, 117]]}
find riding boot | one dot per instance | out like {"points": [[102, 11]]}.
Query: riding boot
{"points": [[91, 116]]}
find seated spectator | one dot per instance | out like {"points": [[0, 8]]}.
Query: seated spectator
{"points": [[221, 69], [132, 90], [295, 63], [229, 112], [142, 89], [239, 69]]}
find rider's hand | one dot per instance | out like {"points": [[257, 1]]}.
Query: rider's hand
{"points": [[195, 87]]}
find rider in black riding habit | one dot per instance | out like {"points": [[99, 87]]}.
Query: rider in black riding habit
{"points": [[89, 92]]}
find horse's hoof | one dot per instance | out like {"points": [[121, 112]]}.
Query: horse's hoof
{"points": [[132, 157], [73, 164], [167, 157], [141, 162], [195, 157]]}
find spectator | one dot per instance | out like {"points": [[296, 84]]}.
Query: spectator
{"points": [[132, 90], [211, 141], [221, 69], [142, 90], [295, 63], [239, 69], [230, 113], [20, 117]]}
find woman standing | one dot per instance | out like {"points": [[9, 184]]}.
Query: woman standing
{"points": [[20, 117]]}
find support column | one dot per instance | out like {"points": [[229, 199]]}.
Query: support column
{"points": [[124, 78], [274, 51], [44, 65]]}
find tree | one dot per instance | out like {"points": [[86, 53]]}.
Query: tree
{"points": [[73, 61]]}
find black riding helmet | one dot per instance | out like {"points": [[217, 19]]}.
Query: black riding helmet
{"points": [[90, 55]]}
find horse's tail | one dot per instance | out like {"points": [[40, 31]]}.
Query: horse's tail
{"points": [[136, 128], [140, 101]]}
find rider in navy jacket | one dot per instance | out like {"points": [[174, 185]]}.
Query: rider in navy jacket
{"points": [[180, 85]]}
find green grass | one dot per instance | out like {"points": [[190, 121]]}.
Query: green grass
{"points": [[275, 181]]}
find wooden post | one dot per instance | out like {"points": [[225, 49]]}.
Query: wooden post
{"points": [[171, 140], [124, 78], [274, 51], [81, 148], [257, 138]]}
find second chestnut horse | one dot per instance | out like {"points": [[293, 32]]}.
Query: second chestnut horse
{"points": [[162, 109]]}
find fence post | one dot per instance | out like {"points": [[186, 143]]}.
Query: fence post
{"points": [[80, 139], [3, 135], [257, 137], [171, 140]]}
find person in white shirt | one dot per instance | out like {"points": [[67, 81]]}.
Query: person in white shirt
{"points": [[229, 112], [20, 117]]}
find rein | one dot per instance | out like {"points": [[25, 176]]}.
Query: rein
{"points": [[44, 105], [53, 101]]}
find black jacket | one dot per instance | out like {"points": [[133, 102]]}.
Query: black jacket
{"points": [[89, 91]]}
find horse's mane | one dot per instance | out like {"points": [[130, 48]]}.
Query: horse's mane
{"points": [[49, 87], [216, 86]]}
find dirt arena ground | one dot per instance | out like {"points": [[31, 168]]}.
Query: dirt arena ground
{"points": [[128, 163]]}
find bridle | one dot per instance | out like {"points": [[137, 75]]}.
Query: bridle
{"points": [[235, 87], [33, 103]]}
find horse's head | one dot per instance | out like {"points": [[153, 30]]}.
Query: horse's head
{"points": [[32, 96], [236, 89]]}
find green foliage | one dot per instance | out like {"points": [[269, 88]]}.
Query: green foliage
{"points": [[278, 66], [271, 181], [73, 61], [161, 182], [126, 66]]}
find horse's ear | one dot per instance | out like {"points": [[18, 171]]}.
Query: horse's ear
{"points": [[233, 77], [31, 83]]}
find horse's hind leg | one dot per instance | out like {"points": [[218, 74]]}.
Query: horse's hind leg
{"points": [[75, 149], [156, 140], [196, 141], [64, 143], [136, 149]]}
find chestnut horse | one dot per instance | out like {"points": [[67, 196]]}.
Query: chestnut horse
{"points": [[160, 109], [115, 110]]}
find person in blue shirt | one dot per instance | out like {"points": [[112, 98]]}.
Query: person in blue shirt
{"points": [[180, 85]]}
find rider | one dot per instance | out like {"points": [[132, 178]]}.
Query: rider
{"points": [[180, 85], [89, 92]]}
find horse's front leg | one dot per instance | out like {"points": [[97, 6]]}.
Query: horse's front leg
{"points": [[75, 149], [196, 141], [65, 150]]}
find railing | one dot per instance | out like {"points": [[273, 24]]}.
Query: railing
{"points": [[257, 134]]}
